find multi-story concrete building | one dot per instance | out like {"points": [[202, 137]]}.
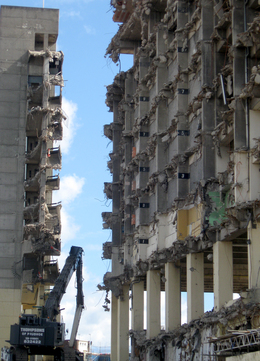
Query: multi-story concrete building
{"points": [[186, 183], [30, 122]]}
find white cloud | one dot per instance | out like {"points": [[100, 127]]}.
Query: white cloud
{"points": [[69, 125], [69, 228], [90, 30], [71, 14], [94, 324], [70, 187]]}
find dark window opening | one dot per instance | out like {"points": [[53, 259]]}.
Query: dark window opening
{"points": [[34, 80], [55, 66], [39, 41]]}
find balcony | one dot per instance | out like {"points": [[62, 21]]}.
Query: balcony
{"points": [[31, 268], [31, 213], [32, 184], [55, 102], [107, 250], [50, 271], [56, 79], [108, 190], [55, 131], [53, 183], [52, 218], [34, 121], [48, 246], [54, 158], [39, 240], [55, 65], [107, 220], [33, 156], [35, 91], [108, 131]]}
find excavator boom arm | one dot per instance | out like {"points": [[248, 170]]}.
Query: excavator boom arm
{"points": [[73, 262]]}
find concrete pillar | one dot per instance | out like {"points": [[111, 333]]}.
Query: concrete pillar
{"points": [[253, 235], [239, 78], [172, 296], [195, 285], [137, 314], [114, 314], [153, 303], [138, 306], [123, 326], [161, 156], [223, 273]]}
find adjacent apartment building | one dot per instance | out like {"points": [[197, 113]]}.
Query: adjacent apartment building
{"points": [[185, 184], [30, 121]]}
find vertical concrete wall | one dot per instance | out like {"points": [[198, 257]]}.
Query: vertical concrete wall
{"points": [[18, 27]]}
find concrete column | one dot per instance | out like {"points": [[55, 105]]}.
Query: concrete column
{"points": [[161, 157], [114, 313], [137, 314], [172, 296], [253, 235], [153, 303], [239, 78], [195, 285], [138, 306], [208, 152], [223, 273], [116, 189], [123, 326]]}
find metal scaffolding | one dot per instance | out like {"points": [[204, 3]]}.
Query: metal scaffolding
{"points": [[236, 341]]}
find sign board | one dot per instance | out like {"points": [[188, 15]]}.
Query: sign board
{"points": [[32, 335]]}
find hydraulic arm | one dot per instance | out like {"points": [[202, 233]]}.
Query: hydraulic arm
{"points": [[44, 335]]}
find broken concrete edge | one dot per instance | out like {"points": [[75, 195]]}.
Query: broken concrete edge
{"points": [[239, 314]]}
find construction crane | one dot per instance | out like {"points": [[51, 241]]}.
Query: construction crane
{"points": [[44, 335]]}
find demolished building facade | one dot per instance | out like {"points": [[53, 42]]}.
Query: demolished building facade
{"points": [[185, 184], [30, 121]]}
